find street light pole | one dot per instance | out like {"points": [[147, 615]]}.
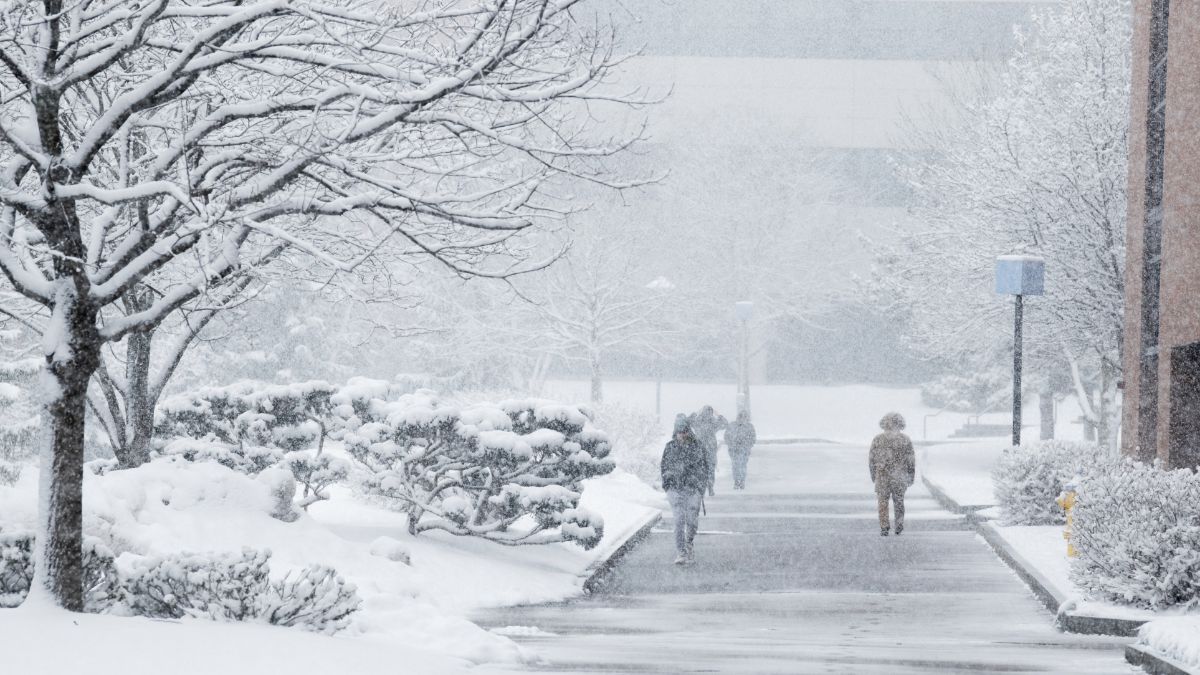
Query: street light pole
{"points": [[1018, 349], [744, 311], [1019, 275]]}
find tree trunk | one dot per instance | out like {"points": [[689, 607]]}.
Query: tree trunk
{"points": [[597, 383], [1046, 412], [70, 364], [139, 409]]}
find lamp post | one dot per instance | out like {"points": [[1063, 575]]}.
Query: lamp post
{"points": [[1019, 275], [660, 285], [744, 311]]}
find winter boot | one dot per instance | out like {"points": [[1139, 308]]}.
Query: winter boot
{"points": [[681, 559], [899, 529], [883, 532]]}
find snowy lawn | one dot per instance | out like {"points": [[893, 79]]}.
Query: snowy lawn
{"points": [[412, 614], [962, 470], [1177, 638], [845, 413]]}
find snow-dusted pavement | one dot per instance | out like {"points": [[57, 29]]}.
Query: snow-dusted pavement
{"points": [[793, 577]]}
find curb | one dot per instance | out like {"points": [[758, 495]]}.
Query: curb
{"points": [[597, 572], [946, 502], [1046, 593], [1052, 597], [1153, 663]]}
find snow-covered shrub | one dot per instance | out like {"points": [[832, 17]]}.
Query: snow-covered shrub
{"points": [[316, 473], [243, 458], [315, 598], [1027, 479], [978, 392], [282, 485], [251, 427], [211, 586], [637, 440], [283, 417], [1137, 532], [16, 567], [509, 473], [236, 587], [16, 571]]}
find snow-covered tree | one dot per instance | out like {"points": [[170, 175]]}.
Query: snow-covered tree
{"points": [[170, 144], [1033, 163], [600, 298], [508, 473]]}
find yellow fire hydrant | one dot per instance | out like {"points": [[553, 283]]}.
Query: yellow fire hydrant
{"points": [[1067, 501]]}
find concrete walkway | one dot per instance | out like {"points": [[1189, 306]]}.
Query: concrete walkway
{"points": [[793, 577]]}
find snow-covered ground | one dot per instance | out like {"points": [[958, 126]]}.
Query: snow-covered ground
{"points": [[846, 414], [1177, 638], [412, 613], [962, 470]]}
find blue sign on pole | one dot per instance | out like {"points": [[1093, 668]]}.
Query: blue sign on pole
{"points": [[1020, 275]]}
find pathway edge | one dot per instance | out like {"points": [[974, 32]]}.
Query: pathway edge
{"points": [[594, 575], [1154, 663]]}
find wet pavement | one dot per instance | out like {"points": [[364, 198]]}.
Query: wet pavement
{"points": [[793, 577]]}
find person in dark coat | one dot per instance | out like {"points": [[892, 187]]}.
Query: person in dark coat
{"points": [[684, 476], [740, 438], [893, 465], [705, 425]]}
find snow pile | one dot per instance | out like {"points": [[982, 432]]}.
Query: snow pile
{"points": [[1029, 478], [1177, 638], [509, 473], [1137, 531]]}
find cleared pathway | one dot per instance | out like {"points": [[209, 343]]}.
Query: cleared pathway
{"points": [[793, 577]]}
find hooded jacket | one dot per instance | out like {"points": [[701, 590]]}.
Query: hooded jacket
{"points": [[684, 465], [892, 459]]}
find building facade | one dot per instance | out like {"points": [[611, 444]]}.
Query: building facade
{"points": [[1162, 310]]}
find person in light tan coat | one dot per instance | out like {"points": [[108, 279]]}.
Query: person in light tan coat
{"points": [[893, 465]]}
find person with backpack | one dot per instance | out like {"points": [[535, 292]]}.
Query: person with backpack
{"points": [[685, 474], [893, 465], [705, 425], [740, 438]]}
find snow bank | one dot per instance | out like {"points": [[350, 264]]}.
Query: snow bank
{"points": [[1177, 638], [417, 592], [49, 641]]}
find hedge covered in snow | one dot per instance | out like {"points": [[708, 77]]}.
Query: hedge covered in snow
{"points": [[1137, 533], [221, 587], [508, 473], [1027, 479]]}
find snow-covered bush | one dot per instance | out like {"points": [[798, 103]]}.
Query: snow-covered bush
{"points": [[637, 440], [509, 473], [251, 427], [1137, 532], [236, 587], [16, 571], [315, 598], [1027, 479], [283, 416], [212, 586], [316, 473], [16, 567]]}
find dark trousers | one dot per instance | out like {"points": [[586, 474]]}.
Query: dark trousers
{"points": [[886, 490]]}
